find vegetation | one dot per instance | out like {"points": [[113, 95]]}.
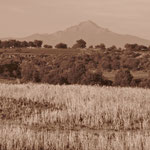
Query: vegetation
{"points": [[77, 65], [38, 116], [101, 46], [61, 45], [68, 114], [20, 44], [79, 44], [48, 46], [123, 78]]}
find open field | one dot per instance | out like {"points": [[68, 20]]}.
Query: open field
{"points": [[39, 51], [42, 117]]}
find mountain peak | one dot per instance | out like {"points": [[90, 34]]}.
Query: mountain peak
{"points": [[88, 23], [91, 33]]}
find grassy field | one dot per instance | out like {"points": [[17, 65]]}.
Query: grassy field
{"points": [[40, 51], [48, 117]]}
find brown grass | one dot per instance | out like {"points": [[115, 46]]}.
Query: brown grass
{"points": [[35, 116]]}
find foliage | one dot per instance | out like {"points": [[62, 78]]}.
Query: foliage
{"points": [[9, 70], [101, 46], [123, 78], [71, 66], [48, 46], [136, 47], [79, 44], [20, 44], [61, 45]]}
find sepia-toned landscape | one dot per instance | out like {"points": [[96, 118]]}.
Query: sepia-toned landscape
{"points": [[74, 75]]}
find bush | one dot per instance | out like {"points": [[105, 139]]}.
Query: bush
{"points": [[136, 82], [54, 77], [48, 46], [93, 77], [115, 64], [61, 45], [101, 46], [29, 72], [123, 78], [131, 63], [106, 63], [145, 83], [10, 69], [76, 73], [79, 44]]}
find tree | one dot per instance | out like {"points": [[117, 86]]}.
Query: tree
{"points": [[38, 43], [61, 45], [5, 44], [12, 43], [24, 44], [79, 44], [17, 44], [31, 44], [93, 77]]}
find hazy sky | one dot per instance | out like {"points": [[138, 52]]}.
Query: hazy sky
{"points": [[24, 17]]}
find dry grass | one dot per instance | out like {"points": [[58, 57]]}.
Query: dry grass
{"points": [[40, 116]]}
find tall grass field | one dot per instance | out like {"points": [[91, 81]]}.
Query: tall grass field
{"points": [[74, 117]]}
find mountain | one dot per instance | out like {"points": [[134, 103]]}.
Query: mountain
{"points": [[91, 33]]}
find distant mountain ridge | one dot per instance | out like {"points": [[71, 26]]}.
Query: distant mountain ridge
{"points": [[90, 32]]}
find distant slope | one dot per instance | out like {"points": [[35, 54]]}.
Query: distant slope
{"points": [[91, 33]]}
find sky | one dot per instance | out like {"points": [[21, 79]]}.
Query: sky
{"points": [[20, 18]]}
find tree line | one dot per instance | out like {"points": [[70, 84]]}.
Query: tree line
{"points": [[38, 44], [79, 44], [20, 44]]}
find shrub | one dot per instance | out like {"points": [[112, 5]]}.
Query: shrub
{"points": [[48, 46], [93, 77], [115, 64], [61, 45], [101, 46], [145, 83], [52, 77], [29, 72], [123, 78], [10, 69], [136, 82], [131, 63], [75, 73], [79, 44], [106, 63], [112, 48]]}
